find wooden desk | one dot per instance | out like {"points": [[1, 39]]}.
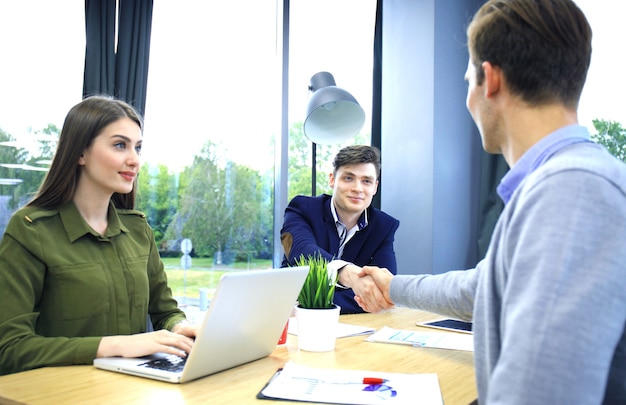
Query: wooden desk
{"points": [[86, 384]]}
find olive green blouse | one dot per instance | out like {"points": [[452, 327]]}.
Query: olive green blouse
{"points": [[64, 286]]}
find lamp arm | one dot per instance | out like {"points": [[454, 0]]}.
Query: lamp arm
{"points": [[313, 169]]}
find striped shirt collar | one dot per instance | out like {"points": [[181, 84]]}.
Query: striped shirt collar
{"points": [[362, 222]]}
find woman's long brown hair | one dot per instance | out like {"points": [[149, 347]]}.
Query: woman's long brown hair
{"points": [[83, 123]]}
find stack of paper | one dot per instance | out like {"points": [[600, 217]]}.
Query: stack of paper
{"points": [[300, 383], [439, 340]]}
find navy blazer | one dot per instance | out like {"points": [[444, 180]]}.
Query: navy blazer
{"points": [[309, 227]]}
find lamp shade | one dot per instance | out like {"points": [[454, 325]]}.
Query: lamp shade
{"points": [[333, 115]]}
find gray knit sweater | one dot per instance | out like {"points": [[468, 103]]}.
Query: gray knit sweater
{"points": [[548, 302]]}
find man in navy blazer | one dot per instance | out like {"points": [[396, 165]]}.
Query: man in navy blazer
{"points": [[344, 228]]}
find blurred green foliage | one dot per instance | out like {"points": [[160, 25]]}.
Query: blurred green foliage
{"points": [[612, 135]]}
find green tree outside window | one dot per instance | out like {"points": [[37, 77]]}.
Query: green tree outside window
{"points": [[612, 135]]}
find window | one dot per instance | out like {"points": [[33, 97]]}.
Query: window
{"points": [[337, 37], [213, 114], [603, 95], [212, 117], [43, 53]]}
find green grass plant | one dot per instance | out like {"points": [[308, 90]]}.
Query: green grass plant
{"points": [[319, 287]]}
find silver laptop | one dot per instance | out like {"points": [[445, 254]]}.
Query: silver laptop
{"points": [[243, 323]]}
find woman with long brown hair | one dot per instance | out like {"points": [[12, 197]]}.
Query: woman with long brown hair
{"points": [[79, 268]]}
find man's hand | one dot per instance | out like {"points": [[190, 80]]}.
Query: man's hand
{"points": [[382, 279], [367, 294]]}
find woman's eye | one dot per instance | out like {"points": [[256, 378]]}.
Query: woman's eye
{"points": [[120, 145], [138, 149]]}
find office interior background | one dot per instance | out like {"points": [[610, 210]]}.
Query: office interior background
{"points": [[227, 87]]}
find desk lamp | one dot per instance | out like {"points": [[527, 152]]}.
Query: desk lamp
{"points": [[333, 115]]}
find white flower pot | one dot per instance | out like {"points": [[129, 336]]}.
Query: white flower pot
{"points": [[317, 328]]}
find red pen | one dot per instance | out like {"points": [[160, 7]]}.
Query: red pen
{"points": [[366, 380], [374, 380]]}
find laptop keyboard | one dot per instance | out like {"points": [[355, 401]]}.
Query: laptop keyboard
{"points": [[168, 363]]}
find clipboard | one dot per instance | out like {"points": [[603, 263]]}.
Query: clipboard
{"points": [[294, 382]]}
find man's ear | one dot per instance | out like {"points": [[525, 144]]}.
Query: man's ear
{"points": [[331, 179], [493, 79]]}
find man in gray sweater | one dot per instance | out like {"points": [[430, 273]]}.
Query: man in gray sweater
{"points": [[548, 301]]}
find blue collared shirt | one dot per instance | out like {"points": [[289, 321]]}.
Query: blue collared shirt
{"points": [[346, 234], [537, 155]]}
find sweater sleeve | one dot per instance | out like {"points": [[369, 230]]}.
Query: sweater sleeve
{"points": [[450, 294]]}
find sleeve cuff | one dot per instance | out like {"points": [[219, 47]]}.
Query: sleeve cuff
{"points": [[183, 322], [336, 265]]}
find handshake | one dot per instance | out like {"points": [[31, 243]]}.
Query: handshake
{"points": [[370, 285]]}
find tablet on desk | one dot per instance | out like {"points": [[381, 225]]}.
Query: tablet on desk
{"points": [[448, 324]]}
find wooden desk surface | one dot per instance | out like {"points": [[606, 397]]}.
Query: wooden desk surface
{"points": [[239, 385]]}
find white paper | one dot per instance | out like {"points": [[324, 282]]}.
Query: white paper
{"points": [[301, 383], [439, 340], [343, 329]]}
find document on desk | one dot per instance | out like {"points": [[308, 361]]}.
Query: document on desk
{"points": [[439, 340], [343, 329], [296, 382]]}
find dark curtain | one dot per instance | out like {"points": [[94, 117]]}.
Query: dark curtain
{"points": [[490, 205], [100, 47], [121, 72], [376, 89]]}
